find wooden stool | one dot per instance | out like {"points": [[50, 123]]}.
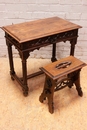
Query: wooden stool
{"points": [[59, 74]]}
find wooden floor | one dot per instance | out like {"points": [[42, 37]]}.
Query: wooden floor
{"points": [[27, 113]]}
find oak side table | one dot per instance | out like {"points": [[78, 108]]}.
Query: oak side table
{"points": [[28, 36]]}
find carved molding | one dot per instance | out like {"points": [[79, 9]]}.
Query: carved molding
{"points": [[63, 83], [24, 55], [41, 42]]}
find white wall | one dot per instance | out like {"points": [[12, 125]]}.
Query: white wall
{"points": [[16, 11]]}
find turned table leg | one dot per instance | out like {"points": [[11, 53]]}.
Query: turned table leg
{"points": [[53, 53], [9, 46], [24, 70], [24, 56], [73, 42]]}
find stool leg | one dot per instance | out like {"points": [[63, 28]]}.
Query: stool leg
{"points": [[50, 100], [77, 83], [48, 92], [44, 93]]}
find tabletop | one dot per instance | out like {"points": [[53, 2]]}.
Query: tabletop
{"points": [[23, 32]]}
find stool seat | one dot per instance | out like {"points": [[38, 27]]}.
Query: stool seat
{"points": [[59, 74]]}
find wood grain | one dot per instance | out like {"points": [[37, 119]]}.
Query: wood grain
{"points": [[27, 31]]}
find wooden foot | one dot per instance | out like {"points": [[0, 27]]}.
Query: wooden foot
{"points": [[25, 91], [77, 83], [79, 90], [53, 59], [42, 98], [51, 107], [50, 103], [12, 78]]}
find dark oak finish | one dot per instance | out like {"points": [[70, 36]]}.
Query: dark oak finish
{"points": [[62, 73], [29, 36]]}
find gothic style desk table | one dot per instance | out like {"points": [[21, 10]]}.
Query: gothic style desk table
{"points": [[32, 35]]}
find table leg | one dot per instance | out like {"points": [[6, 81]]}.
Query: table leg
{"points": [[53, 53], [24, 71], [12, 72], [73, 42]]}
